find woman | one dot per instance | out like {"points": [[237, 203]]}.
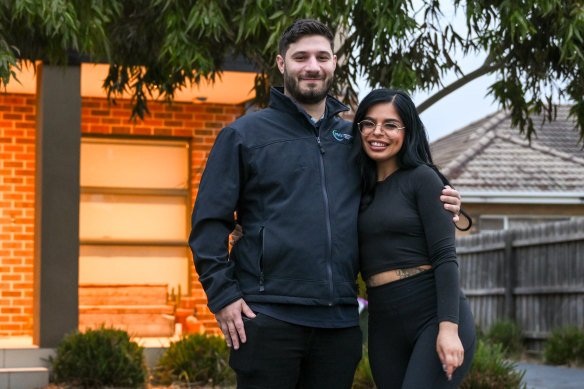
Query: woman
{"points": [[421, 330]]}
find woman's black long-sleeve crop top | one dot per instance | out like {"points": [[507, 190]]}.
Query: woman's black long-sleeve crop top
{"points": [[405, 226]]}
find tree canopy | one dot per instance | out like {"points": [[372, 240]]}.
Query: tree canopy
{"points": [[534, 47]]}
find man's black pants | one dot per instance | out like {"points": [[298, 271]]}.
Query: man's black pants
{"points": [[280, 355]]}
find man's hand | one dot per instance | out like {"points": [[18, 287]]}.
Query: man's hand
{"points": [[236, 234], [451, 199], [231, 323]]}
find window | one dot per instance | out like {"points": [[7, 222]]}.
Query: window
{"points": [[134, 212], [504, 222]]}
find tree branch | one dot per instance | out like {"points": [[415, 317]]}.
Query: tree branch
{"points": [[486, 67]]}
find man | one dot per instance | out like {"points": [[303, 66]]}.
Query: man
{"points": [[285, 298]]}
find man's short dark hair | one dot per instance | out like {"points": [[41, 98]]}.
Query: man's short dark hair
{"points": [[301, 28]]}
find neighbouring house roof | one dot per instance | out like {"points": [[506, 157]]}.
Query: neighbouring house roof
{"points": [[488, 156]]}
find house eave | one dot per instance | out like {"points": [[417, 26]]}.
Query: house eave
{"points": [[501, 197]]}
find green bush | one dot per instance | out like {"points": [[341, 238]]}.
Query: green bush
{"points": [[99, 358], [507, 333], [565, 346], [479, 332], [196, 358], [363, 377], [489, 369]]}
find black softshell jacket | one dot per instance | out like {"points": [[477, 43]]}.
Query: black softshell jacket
{"points": [[296, 193]]}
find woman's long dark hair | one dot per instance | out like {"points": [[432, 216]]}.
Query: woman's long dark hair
{"points": [[415, 150]]}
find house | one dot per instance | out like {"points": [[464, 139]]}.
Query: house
{"points": [[95, 208], [508, 181]]}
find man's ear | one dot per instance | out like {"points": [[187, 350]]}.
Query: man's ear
{"points": [[280, 62], [335, 61]]}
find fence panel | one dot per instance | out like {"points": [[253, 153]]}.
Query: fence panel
{"points": [[534, 276]]}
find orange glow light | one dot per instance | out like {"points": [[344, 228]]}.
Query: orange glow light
{"points": [[229, 87]]}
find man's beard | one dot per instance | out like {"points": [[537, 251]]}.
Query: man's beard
{"points": [[311, 96]]}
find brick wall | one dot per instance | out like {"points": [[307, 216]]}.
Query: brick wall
{"points": [[17, 130], [198, 122]]}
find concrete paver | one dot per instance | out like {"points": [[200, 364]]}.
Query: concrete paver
{"points": [[551, 377]]}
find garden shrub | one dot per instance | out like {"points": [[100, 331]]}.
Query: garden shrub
{"points": [[489, 369], [99, 358], [363, 376], [507, 333], [197, 359], [565, 346]]}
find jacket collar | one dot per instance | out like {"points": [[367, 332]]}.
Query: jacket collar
{"points": [[279, 101]]}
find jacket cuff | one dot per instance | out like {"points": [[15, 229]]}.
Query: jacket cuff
{"points": [[227, 297]]}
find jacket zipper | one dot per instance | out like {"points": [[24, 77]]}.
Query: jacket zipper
{"points": [[261, 264], [328, 219]]}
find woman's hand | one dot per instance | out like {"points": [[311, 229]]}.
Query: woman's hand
{"points": [[236, 234], [449, 347]]}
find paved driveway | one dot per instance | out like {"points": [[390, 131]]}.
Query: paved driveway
{"points": [[551, 377]]}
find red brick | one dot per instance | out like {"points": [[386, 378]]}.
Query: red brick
{"points": [[225, 118], [203, 132], [121, 130], [100, 129], [214, 110], [90, 120], [11, 228], [194, 124], [24, 141], [99, 112], [162, 131], [22, 285], [213, 125], [20, 318], [89, 104], [110, 121], [196, 107], [9, 132], [183, 116], [205, 117], [9, 310], [152, 122], [183, 133], [25, 125], [163, 115], [142, 131], [10, 293], [172, 123], [12, 116]]}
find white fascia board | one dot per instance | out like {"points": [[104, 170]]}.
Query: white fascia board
{"points": [[501, 197]]}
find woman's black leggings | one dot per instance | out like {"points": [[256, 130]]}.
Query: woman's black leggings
{"points": [[403, 331]]}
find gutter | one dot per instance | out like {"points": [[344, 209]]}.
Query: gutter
{"points": [[501, 197]]}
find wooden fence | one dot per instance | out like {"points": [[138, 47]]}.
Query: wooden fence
{"points": [[534, 276]]}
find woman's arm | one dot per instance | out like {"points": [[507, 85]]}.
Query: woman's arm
{"points": [[439, 234]]}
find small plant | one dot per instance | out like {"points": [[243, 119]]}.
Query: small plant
{"points": [[196, 358], [565, 346], [479, 332], [507, 333], [99, 358], [489, 369], [363, 376]]}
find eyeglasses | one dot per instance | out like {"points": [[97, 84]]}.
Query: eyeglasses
{"points": [[367, 127]]}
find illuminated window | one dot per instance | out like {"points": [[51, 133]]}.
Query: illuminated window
{"points": [[134, 212]]}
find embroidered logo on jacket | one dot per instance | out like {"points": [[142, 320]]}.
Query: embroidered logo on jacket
{"points": [[340, 136]]}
